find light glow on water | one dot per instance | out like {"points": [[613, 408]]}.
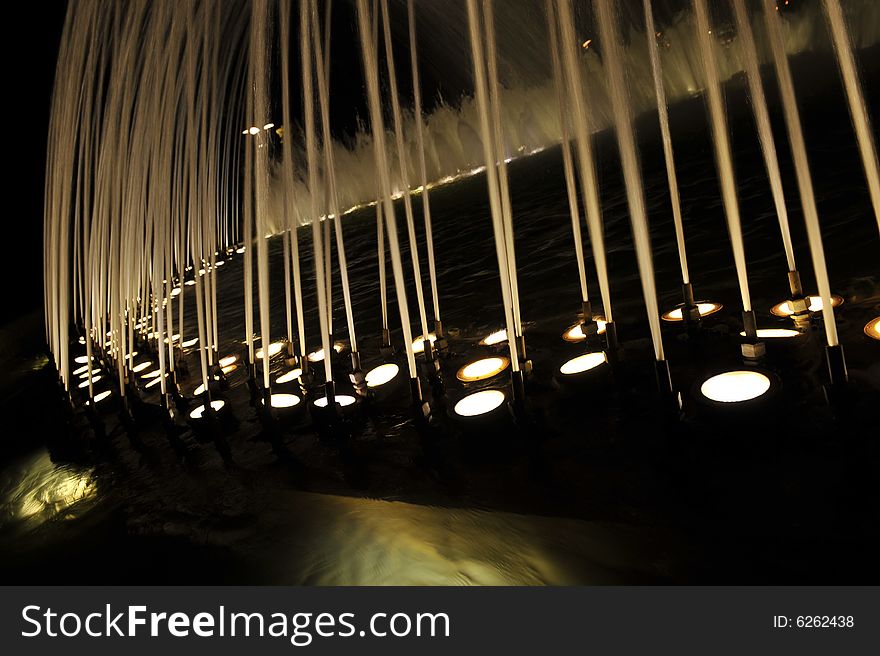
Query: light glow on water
{"points": [[479, 403], [735, 386]]}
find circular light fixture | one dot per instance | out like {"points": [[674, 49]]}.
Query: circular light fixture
{"points": [[82, 370], [318, 356], [342, 399], [254, 130], [479, 403], [200, 411], [228, 360], [100, 396], [735, 386], [705, 308], [283, 400], [575, 333], [293, 374], [784, 309], [201, 388], [498, 337], [583, 363], [482, 369], [382, 374], [872, 328], [85, 383], [228, 369], [175, 292], [774, 333], [274, 349], [418, 345], [82, 359]]}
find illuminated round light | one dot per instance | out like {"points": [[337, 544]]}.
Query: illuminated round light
{"points": [[482, 369], [479, 403], [219, 263], [154, 382], [190, 342], [85, 383], [318, 356], [254, 130], [228, 369], [382, 374], [341, 399], [293, 374], [576, 332], [82, 359], [141, 366], [498, 337], [784, 309], [228, 360], [274, 349], [283, 400], [152, 374], [82, 340], [872, 328], [240, 250], [583, 363], [82, 370], [774, 333], [175, 292], [100, 396], [268, 126], [418, 344], [735, 386], [198, 412], [705, 308], [190, 283]]}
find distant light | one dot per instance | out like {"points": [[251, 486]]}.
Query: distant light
{"points": [[254, 130], [341, 399], [479, 403], [190, 342], [583, 363], [141, 366], [274, 349], [154, 382], [82, 340], [190, 283], [482, 369], [576, 332], [705, 308], [82, 359], [152, 374], [83, 369], [229, 369], [268, 126], [240, 250], [175, 292], [382, 374], [497, 337], [244, 131], [418, 344], [283, 400], [228, 360], [85, 383], [735, 386], [784, 309], [318, 356], [586, 44], [774, 333], [219, 263], [174, 338], [293, 374], [100, 396], [198, 412], [872, 329]]}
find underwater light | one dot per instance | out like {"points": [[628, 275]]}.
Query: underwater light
{"points": [[293, 374], [190, 342], [735, 386], [283, 400], [498, 337], [100, 396], [872, 328], [382, 374], [479, 403], [342, 399], [418, 344], [200, 411], [774, 333], [784, 309], [705, 308], [85, 383], [274, 349], [482, 369], [228, 360], [318, 356], [141, 366], [575, 333], [583, 363]]}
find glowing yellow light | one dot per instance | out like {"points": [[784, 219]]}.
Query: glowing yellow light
{"points": [[198, 412], [82, 340], [293, 374], [190, 283], [872, 328], [318, 356], [254, 130], [735, 386], [576, 333], [418, 344], [341, 399], [283, 400], [85, 383], [82, 359], [482, 369], [174, 338], [141, 366], [228, 360], [479, 403], [586, 44], [100, 396], [497, 337], [774, 333], [175, 292], [784, 309], [229, 369], [240, 250], [382, 374], [268, 126], [154, 382], [190, 342], [583, 363], [274, 349], [82, 370], [705, 308], [152, 374], [219, 263]]}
